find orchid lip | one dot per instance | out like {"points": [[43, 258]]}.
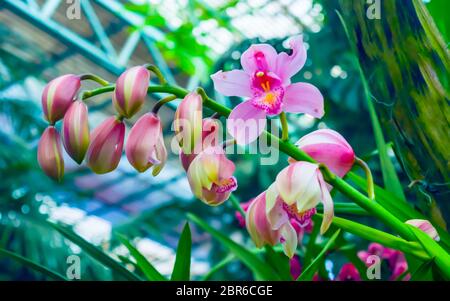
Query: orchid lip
{"points": [[226, 185], [303, 218]]}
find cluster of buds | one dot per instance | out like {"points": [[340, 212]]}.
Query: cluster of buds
{"points": [[102, 148]]}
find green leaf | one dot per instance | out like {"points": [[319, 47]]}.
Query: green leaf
{"points": [[424, 272], [220, 265], [390, 178], [279, 262], [441, 257], [142, 263], [182, 268], [308, 273], [95, 252], [33, 265], [252, 261]]}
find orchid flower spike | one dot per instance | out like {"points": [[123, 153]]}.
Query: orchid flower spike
{"points": [[294, 195], [210, 176], [58, 95], [330, 148], [145, 145], [106, 146], [266, 81], [76, 131], [131, 90], [50, 155]]}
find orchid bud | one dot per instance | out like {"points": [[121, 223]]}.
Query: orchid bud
{"points": [[257, 224], [330, 148], [50, 155], [131, 90], [76, 131], [145, 145], [188, 122], [58, 95], [106, 146], [210, 137], [210, 176], [425, 226]]}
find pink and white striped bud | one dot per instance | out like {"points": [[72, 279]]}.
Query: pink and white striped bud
{"points": [[425, 226], [58, 95], [188, 123], [330, 148], [145, 145], [50, 155], [131, 90], [76, 131], [210, 176], [106, 146], [257, 224]]}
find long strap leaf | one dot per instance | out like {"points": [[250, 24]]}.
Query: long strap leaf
{"points": [[252, 261], [95, 252], [143, 264], [182, 268], [31, 264]]}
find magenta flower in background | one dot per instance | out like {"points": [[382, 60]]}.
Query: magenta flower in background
{"points": [[58, 95], [293, 197], [145, 145], [266, 81], [106, 146], [240, 218], [348, 272], [131, 91], [50, 155], [295, 267], [210, 176], [76, 131], [330, 148]]}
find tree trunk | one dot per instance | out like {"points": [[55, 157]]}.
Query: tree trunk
{"points": [[407, 65]]}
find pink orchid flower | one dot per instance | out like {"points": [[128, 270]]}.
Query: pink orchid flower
{"points": [[106, 146], [348, 272], [266, 81], [294, 195], [330, 148], [50, 155], [76, 131], [58, 95], [258, 225], [425, 226], [145, 145], [210, 137], [210, 176]]}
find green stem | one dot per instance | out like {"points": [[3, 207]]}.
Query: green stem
{"points": [[284, 127], [291, 150], [162, 102], [237, 205], [370, 186], [95, 78], [157, 72]]}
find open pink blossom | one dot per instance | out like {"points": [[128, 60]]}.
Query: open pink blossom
{"points": [[330, 148], [266, 81], [294, 195], [210, 176]]}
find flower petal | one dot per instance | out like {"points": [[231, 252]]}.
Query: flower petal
{"points": [[232, 83], [288, 239], [328, 206], [303, 98], [289, 65], [246, 123], [259, 57]]}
